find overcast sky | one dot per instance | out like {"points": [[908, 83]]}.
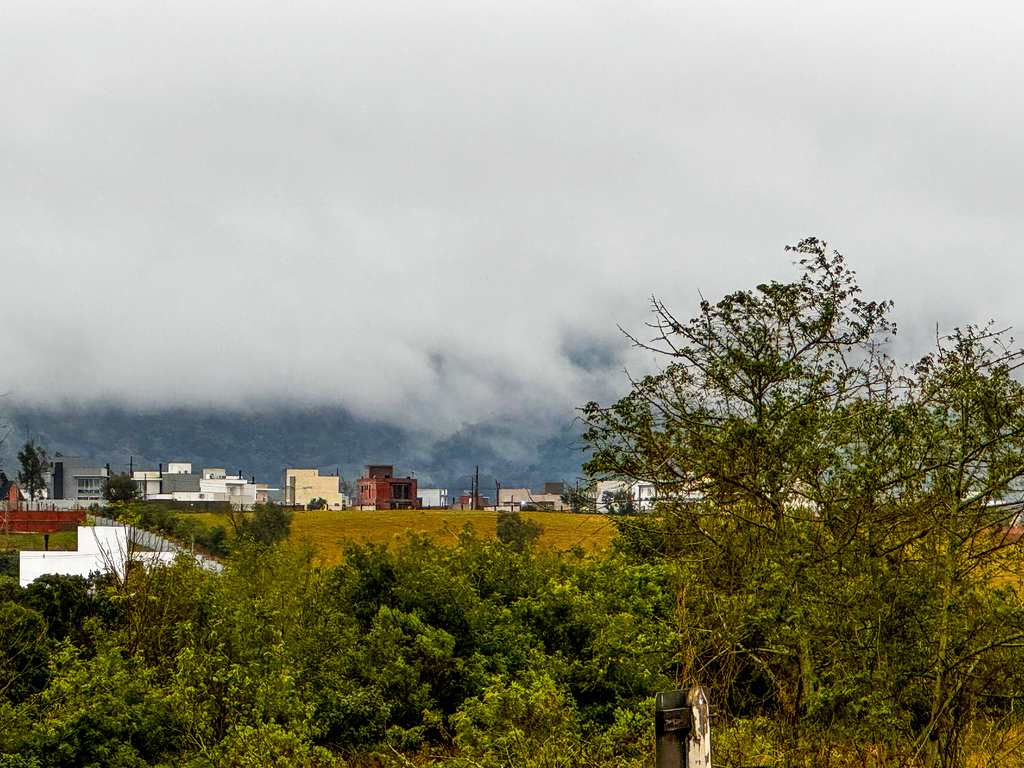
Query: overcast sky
{"points": [[445, 209]]}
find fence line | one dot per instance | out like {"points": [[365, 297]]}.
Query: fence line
{"points": [[157, 543]]}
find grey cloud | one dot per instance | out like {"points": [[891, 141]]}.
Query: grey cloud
{"points": [[443, 212]]}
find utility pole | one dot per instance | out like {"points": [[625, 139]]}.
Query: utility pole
{"points": [[497, 495], [476, 487]]}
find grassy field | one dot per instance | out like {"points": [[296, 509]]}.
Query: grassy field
{"points": [[330, 529], [61, 540]]}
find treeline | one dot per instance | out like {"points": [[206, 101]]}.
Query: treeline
{"points": [[480, 654], [846, 525]]}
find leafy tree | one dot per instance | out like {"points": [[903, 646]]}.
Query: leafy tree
{"points": [[35, 465], [841, 523], [317, 503], [741, 411], [24, 651], [9, 563], [268, 524], [517, 533], [120, 487]]}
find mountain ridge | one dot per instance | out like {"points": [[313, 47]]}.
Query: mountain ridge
{"points": [[331, 438]]}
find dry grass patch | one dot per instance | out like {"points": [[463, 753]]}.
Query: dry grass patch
{"points": [[330, 529]]}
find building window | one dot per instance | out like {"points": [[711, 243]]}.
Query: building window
{"points": [[400, 491], [90, 488]]}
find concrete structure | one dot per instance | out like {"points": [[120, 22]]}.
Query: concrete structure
{"points": [[642, 494], [301, 486], [71, 478], [514, 499], [215, 485], [465, 501], [180, 483], [149, 482], [263, 493], [100, 548], [379, 489], [433, 498]]}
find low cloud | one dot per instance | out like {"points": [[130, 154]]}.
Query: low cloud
{"points": [[433, 215]]}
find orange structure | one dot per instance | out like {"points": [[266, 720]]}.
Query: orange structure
{"points": [[45, 520]]}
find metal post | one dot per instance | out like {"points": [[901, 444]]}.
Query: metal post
{"points": [[682, 721]]}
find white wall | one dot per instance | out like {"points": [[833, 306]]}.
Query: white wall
{"points": [[100, 548], [433, 497]]}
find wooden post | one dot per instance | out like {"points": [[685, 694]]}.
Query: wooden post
{"points": [[682, 729], [698, 745]]}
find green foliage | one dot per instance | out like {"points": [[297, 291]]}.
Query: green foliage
{"points": [[66, 604], [10, 563], [317, 503], [24, 651], [517, 533], [529, 724], [184, 528], [837, 523], [268, 524], [34, 466], [277, 662], [98, 711], [121, 488]]}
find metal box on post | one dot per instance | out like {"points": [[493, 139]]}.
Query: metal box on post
{"points": [[682, 729]]}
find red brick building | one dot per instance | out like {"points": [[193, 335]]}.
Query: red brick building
{"points": [[9, 491], [380, 489]]}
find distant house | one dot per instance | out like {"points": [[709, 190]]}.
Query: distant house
{"points": [[179, 483], [433, 498], [514, 499], [615, 493], [9, 491], [466, 501], [379, 489], [71, 478], [301, 486]]}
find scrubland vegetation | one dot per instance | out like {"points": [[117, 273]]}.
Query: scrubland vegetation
{"points": [[466, 654]]}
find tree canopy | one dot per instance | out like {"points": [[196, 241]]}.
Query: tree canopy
{"points": [[34, 467], [843, 520]]}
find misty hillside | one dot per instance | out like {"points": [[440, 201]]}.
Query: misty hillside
{"points": [[329, 438]]}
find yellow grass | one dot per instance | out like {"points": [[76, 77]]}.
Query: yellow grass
{"points": [[329, 529]]}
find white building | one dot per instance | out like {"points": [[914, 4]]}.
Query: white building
{"points": [[642, 494], [179, 483], [433, 497], [514, 499]]}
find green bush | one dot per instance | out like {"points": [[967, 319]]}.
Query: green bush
{"points": [[10, 563], [517, 533]]}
